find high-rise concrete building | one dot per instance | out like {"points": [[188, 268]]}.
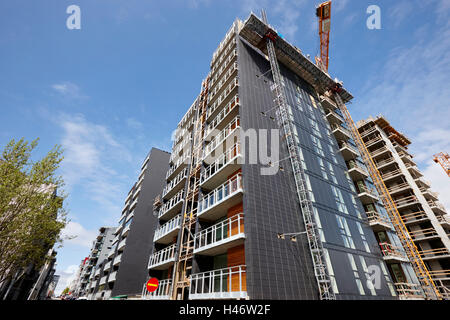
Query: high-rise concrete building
{"points": [[99, 252], [425, 218], [233, 227], [125, 267]]}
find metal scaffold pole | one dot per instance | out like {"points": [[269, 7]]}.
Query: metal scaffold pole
{"points": [[315, 244]]}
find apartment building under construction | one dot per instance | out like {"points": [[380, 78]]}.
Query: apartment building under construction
{"points": [[308, 231], [426, 219]]}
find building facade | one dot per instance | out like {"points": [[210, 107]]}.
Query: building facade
{"points": [[125, 267], [425, 218], [220, 216]]}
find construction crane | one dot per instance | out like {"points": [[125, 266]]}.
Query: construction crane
{"points": [[444, 160], [323, 11]]}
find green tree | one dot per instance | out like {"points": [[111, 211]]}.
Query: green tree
{"points": [[31, 206], [65, 291]]}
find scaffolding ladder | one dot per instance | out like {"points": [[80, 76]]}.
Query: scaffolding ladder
{"points": [[424, 277], [183, 264], [315, 244]]}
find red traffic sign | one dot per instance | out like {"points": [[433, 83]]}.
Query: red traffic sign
{"points": [[152, 284]]}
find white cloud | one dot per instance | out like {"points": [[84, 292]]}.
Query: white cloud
{"points": [[78, 234], [68, 90], [134, 124], [91, 154]]}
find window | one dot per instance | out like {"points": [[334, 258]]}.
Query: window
{"points": [[386, 277], [333, 153], [315, 127], [322, 168], [317, 145], [330, 271], [345, 232], [302, 158], [356, 274], [339, 200], [308, 186], [363, 237], [319, 224], [333, 177]]}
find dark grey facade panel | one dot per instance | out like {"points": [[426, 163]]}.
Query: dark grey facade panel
{"points": [[133, 271], [281, 269]]}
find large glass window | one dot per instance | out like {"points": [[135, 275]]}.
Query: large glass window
{"points": [[345, 232], [330, 271]]}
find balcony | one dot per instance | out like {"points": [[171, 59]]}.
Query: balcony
{"points": [[379, 152], [413, 170], [112, 277], [356, 171], [440, 274], [341, 133], [436, 207], [218, 238], [444, 220], [228, 75], [106, 267], [224, 97], [162, 293], [175, 185], [421, 183], [228, 132], [380, 164], [367, 195], [133, 205], [415, 218], [408, 291], [222, 167], [117, 260], [348, 151], [177, 167], [327, 103], [378, 222], [162, 259], [398, 188], [391, 175], [373, 141], [103, 280], [428, 194], [215, 204], [224, 117], [122, 244], [392, 253], [406, 157], [431, 254], [126, 230], [227, 283], [406, 202], [164, 234], [368, 131], [424, 234], [333, 117], [172, 207]]}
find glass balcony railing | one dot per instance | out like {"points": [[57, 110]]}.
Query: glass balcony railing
{"points": [[173, 183], [167, 228], [229, 107], [220, 233], [221, 162], [220, 194], [227, 283], [391, 252], [222, 136], [172, 205], [162, 293], [162, 257]]}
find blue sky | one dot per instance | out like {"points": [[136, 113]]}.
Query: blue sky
{"points": [[117, 87]]}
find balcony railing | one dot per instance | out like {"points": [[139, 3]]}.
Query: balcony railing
{"points": [[391, 174], [117, 260], [381, 163], [172, 184], [391, 252], [162, 257], [434, 253], [440, 274], [368, 131], [370, 191], [373, 141], [341, 128], [220, 194], [378, 151], [344, 144], [222, 136], [414, 217], [175, 201], [227, 283], [167, 228], [405, 201], [378, 221], [225, 77], [223, 97], [408, 290], [330, 114], [229, 107], [161, 293], [423, 234], [221, 162], [224, 232], [399, 187], [437, 205], [179, 164]]}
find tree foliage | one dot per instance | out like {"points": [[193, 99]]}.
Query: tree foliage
{"points": [[31, 206]]}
